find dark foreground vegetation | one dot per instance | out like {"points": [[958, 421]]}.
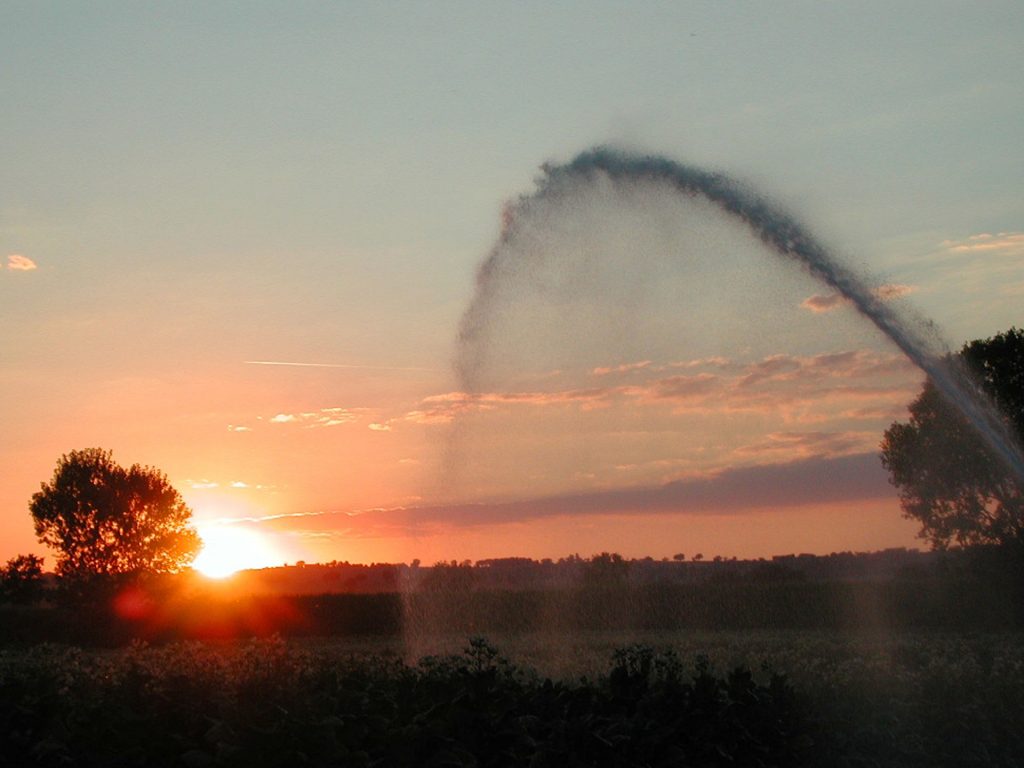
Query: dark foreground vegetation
{"points": [[934, 701], [267, 705]]}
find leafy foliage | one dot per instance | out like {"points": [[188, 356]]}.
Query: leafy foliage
{"points": [[21, 580], [911, 700], [102, 518], [947, 478], [266, 704]]}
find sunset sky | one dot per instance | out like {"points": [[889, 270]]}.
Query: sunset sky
{"points": [[237, 239]]}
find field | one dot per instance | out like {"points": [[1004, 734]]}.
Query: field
{"points": [[753, 697]]}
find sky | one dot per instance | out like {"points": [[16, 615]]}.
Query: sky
{"points": [[237, 240]]}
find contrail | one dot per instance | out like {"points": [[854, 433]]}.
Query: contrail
{"points": [[340, 365], [783, 234]]}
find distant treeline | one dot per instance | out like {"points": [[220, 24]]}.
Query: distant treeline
{"points": [[932, 600], [519, 573]]}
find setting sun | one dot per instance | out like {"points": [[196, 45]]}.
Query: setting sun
{"points": [[227, 549]]}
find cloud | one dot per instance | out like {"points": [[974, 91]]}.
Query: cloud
{"points": [[772, 384], [442, 409], [380, 427], [703, 362], [805, 482], [823, 302], [353, 366], [1003, 242], [826, 302], [18, 263], [773, 367], [800, 445], [202, 484], [780, 382], [325, 417], [624, 368], [236, 428], [679, 387], [891, 291]]}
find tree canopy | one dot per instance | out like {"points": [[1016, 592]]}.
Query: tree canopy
{"points": [[103, 519], [947, 477], [21, 580]]}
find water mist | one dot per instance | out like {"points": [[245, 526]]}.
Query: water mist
{"points": [[783, 235]]}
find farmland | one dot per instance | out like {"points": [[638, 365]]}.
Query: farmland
{"points": [[593, 698], [924, 668]]}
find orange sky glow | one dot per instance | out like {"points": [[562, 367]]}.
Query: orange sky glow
{"points": [[239, 248]]}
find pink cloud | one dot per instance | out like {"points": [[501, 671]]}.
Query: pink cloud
{"points": [[1006, 242], [442, 409], [19, 263], [800, 445], [777, 383], [625, 368], [891, 291], [773, 367], [823, 302], [681, 387], [826, 302]]}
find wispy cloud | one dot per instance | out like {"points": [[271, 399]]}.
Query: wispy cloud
{"points": [[353, 366], [703, 362], [823, 302], [811, 481], [624, 368], [18, 263], [324, 417], [982, 264], [774, 384], [678, 387], [204, 484], [826, 302], [803, 445], [1003, 242], [441, 409], [891, 291]]}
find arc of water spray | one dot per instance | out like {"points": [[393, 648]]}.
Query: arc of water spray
{"points": [[778, 230]]}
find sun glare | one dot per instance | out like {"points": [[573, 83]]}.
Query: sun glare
{"points": [[230, 548]]}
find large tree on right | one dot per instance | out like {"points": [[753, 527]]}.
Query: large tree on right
{"points": [[947, 477]]}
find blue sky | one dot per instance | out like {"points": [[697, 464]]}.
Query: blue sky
{"points": [[200, 185]]}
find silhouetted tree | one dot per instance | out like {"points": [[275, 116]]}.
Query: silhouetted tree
{"points": [[104, 519], [21, 580], [679, 557], [606, 570], [450, 577], [947, 477]]}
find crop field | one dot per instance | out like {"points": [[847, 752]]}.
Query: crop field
{"points": [[584, 698]]}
